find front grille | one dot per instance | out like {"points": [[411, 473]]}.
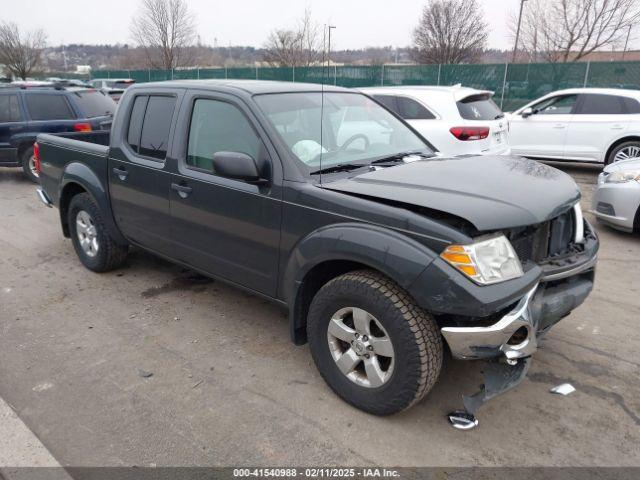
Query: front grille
{"points": [[545, 241]]}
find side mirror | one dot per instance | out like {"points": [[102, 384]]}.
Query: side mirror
{"points": [[236, 165], [527, 112]]}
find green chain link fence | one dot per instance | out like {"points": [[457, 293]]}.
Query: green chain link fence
{"points": [[513, 84]]}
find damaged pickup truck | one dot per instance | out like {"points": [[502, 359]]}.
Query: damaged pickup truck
{"points": [[324, 201]]}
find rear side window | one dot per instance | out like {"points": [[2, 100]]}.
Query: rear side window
{"points": [[94, 103], [409, 109], [633, 106], [594, 104], [48, 107], [156, 126], [388, 101], [9, 109], [479, 107], [218, 126]]}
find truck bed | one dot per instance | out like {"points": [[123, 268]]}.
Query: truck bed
{"points": [[86, 149]]}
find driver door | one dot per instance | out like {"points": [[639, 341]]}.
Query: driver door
{"points": [[227, 228], [543, 134]]}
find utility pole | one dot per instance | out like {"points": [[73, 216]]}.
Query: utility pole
{"points": [[330, 27], [515, 47]]}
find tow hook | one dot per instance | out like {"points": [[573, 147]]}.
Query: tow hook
{"points": [[500, 375]]}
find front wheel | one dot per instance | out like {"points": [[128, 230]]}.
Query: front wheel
{"points": [[91, 239], [372, 344]]}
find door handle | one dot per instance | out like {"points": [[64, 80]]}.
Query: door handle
{"points": [[121, 173], [183, 190], [559, 126], [617, 127]]}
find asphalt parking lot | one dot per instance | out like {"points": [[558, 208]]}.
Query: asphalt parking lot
{"points": [[152, 364]]}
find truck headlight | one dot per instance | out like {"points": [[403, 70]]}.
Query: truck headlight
{"points": [[622, 176], [486, 261]]}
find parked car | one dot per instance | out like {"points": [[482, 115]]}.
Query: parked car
{"points": [[617, 198], [379, 251], [114, 87], [594, 125], [456, 120], [27, 110]]}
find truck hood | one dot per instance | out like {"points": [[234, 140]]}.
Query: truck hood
{"points": [[491, 192]]}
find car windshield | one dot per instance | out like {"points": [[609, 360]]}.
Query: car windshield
{"points": [[354, 129]]}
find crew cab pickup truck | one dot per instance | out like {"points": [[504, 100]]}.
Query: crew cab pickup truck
{"points": [[381, 252]]}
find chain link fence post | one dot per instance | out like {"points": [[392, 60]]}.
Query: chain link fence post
{"points": [[439, 69], [586, 74], [382, 77], [293, 74], [504, 84]]}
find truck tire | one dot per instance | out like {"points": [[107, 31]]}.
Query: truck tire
{"points": [[28, 165], [372, 344], [624, 151], [91, 239]]}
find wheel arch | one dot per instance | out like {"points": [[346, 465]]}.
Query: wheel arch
{"points": [[620, 141], [334, 250], [78, 178]]}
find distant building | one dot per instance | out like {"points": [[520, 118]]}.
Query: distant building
{"points": [[83, 69]]}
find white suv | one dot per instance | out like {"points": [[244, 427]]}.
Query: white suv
{"points": [[456, 120], [580, 124]]}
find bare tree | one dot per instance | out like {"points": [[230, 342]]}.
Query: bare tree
{"points": [[450, 31], [165, 29], [20, 52], [569, 30], [298, 46]]}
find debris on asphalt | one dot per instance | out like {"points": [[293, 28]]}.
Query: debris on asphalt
{"points": [[195, 385], [563, 389], [144, 373]]}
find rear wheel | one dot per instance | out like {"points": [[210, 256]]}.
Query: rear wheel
{"points": [[372, 344], [91, 240], [28, 161], [624, 151]]}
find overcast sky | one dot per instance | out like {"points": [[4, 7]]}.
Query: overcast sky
{"points": [[360, 23]]}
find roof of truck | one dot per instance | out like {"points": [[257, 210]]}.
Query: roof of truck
{"points": [[248, 86]]}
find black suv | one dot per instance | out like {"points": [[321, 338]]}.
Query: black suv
{"points": [[28, 110]]}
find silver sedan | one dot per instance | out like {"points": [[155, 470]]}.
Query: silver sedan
{"points": [[617, 198]]}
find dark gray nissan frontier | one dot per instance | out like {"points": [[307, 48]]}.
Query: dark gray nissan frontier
{"points": [[324, 201]]}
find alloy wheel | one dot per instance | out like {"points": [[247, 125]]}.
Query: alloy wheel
{"points": [[361, 347], [627, 153], [87, 234]]}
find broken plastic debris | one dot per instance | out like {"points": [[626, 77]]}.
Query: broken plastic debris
{"points": [[563, 389]]}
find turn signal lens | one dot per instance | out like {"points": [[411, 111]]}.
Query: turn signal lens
{"points": [[487, 261], [82, 127]]}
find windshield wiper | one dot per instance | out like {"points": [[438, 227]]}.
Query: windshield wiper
{"points": [[500, 115], [341, 167], [399, 157]]}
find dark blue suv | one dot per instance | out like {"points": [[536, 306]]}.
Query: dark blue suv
{"points": [[26, 111]]}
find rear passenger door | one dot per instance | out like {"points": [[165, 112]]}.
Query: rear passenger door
{"points": [[228, 228], [138, 178], [49, 112], [599, 119]]}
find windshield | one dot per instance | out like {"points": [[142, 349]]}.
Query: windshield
{"points": [[354, 129], [121, 84], [95, 103]]}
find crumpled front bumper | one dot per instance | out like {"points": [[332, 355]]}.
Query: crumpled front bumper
{"points": [[516, 334]]}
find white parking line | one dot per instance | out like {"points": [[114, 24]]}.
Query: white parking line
{"points": [[20, 448]]}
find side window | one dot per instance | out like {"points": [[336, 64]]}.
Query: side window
{"points": [[154, 136], [9, 109], [556, 105], [411, 110], [388, 101], [218, 126], [135, 122], [593, 104], [633, 106], [48, 106]]}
